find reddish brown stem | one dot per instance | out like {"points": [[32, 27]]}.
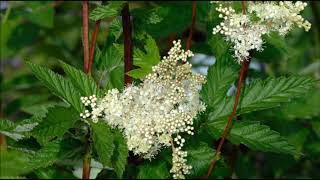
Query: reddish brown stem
{"points": [[93, 45], [126, 25], [193, 20], [242, 75], [85, 29]]}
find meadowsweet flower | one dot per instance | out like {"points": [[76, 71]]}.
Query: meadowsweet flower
{"points": [[245, 31], [163, 106]]}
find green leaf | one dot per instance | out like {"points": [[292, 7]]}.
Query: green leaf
{"points": [[112, 67], [46, 156], [219, 80], [263, 94], [103, 142], [18, 130], [219, 45], [103, 11], [84, 83], [116, 28], [199, 157], [6, 125], [39, 110], [145, 60], [155, 169], [13, 163], [303, 108], [254, 135], [57, 122], [58, 85], [120, 154]]}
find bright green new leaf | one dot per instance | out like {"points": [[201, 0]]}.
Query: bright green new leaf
{"points": [[145, 60]]}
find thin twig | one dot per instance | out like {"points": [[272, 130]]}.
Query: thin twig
{"points": [[193, 20], [242, 76], [93, 45], [126, 25], [85, 29]]}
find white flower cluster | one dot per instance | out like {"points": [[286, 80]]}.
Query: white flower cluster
{"points": [[159, 109], [179, 165], [245, 31]]}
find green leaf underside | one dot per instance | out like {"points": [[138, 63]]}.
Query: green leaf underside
{"points": [[263, 94], [58, 85], [254, 135]]}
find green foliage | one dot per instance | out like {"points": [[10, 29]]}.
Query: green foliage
{"points": [[58, 85], [55, 124], [85, 84], [103, 11], [145, 61], [46, 156], [103, 142], [219, 79], [154, 170], [41, 15], [120, 154], [13, 163], [112, 67], [199, 157], [262, 94], [254, 135]]}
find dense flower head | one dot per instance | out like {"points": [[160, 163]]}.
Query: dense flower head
{"points": [[153, 114], [245, 31]]}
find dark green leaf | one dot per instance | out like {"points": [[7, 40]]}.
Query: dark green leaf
{"points": [[263, 94], [254, 135], [57, 122], [219, 79], [155, 169], [120, 154], [46, 156], [103, 142]]}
